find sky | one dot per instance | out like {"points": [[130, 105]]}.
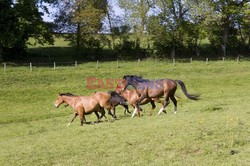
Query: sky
{"points": [[49, 18]]}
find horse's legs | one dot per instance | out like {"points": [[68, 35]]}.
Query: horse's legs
{"points": [[153, 106], [135, 110], [175, 103], [126, 109], [82, 118], [137, 103], [97, 115], [114, 116], [76, 114], [109, 112], [165, 105], [103, 113]]}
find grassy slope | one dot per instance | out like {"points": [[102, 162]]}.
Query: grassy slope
{"points": [[201, 133]]}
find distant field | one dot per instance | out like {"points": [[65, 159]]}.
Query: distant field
{"points": [[212, 131], [63, 51]]}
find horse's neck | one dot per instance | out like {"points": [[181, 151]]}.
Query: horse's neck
{"points": [[125, 94], [69, 100]]}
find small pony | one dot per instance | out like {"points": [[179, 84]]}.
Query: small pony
{"points": [[116, 100]]}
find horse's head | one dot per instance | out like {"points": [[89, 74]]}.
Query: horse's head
{"points": [[59, 101], [118, 89]]}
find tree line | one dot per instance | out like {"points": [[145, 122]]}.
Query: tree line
{"points": [[148, 28]]}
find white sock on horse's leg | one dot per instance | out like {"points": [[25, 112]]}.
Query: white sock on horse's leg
{"points": [[69, 124], [135, 110], [160, 111], [175, 110]]}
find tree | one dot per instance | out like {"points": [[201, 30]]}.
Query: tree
{"points": [[173, 21], [199, 13], [82, 17], [18, 22], [224, 27], [137, 11], [244, 25]]}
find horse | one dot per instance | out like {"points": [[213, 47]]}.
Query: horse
{"points": [[84, 105], [155, 89], [116, 100], [132, 96]]}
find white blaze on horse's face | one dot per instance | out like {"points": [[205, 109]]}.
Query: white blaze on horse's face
{"points": [[58, 102]]}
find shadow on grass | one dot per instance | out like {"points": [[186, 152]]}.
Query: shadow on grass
{"points": [[53, 54]]}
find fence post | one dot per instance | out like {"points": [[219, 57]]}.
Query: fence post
{"points": [[173, 62], [238, 60], [117, 64], [191, 59], [30, 66], [206, 61], [75, 63], [97, 64], [223, 60], [54, 65], [139, 62], [4, 67]]}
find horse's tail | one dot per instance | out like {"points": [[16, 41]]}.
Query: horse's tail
{"points": [[184, 90]]}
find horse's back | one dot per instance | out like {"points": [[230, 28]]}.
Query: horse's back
{"points": [[89, 103], [103, 99]]}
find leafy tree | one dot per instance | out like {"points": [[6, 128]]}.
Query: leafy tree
{"points": [[82, 17], [172, 22], [137, 12], [244, 27], [18, 22], [224, 26]]}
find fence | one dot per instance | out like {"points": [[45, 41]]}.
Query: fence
{"points": [[54, 65]]}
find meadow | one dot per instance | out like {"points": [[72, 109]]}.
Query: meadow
{"points": [[214, 130]]}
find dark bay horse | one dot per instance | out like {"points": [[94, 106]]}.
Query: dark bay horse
{"points": [[116, 100], [155, 89]]}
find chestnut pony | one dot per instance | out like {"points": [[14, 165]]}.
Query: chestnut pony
{"points": [[155, 89], [132, 96], [84, 105]]}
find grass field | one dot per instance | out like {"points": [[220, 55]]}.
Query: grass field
{"points": [[212, 131]]}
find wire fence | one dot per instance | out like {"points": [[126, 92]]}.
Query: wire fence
{"points": [[174, 62]]}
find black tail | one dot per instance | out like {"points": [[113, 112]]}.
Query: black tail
{"points": [[184, 90]]}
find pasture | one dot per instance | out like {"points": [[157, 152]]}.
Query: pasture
{"points": [[212, 131]]}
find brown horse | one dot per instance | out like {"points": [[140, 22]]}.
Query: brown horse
{"points": [[155, 89], [132, 96], [84, 105]]}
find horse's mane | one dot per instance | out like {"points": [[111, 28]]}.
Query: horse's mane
{"points": [[137, 78], [116, 96], [66, 94], [134, 76], [113, 93]]}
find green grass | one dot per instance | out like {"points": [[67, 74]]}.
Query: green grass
{"points": [[211, 131]]}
